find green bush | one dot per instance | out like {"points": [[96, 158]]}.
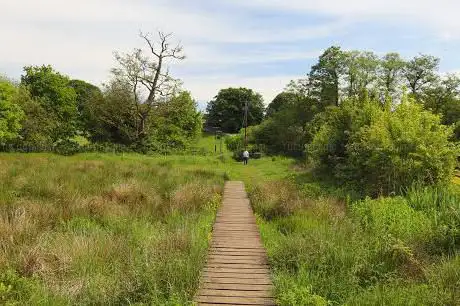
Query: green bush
{"points": [[67, 147], [381, 152], [392, 216]]}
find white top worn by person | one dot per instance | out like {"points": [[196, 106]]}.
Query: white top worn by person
{"points": [[246, 154]]}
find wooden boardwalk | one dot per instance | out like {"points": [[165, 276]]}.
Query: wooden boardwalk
{"points": [[236, 272]]}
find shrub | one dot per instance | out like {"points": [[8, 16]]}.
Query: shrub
{"points": [[393, 216], [380, 152], [67, 147]]}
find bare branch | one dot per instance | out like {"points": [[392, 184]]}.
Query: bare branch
{"points": [[149, 72]]}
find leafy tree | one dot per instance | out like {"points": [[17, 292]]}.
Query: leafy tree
{"points": [[38, 124], [112, 115], [52, 90], [351, 70], [420, 72], [392, 66], [443, 98], [284, 132], [176, 123], [85, 92], [299, 87], [324, 77], [368, 64], [282, 100], [10, 113], [361, 70], [331, 130], [226, 110]]}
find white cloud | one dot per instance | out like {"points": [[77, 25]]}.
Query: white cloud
{"points": [[78, 37], [203, 88], [440, 16]]}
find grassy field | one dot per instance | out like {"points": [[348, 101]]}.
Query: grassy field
{"points": [[106, 229], [327, 249], [101, 229]]}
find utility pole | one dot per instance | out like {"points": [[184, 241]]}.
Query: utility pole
{"points": [[245, 125]]}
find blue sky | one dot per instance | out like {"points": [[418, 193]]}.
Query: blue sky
{"points": [[260, 44]]}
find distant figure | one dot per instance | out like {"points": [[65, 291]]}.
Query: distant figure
{"points": [[245, 157]]}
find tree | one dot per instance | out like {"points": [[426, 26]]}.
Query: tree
{"points": [[176, 123], [361, 71], [325, 76], [148, 74], [226, 110], [300, 87], [367, 63], [284, 131], [53, 92], [10, 113], [38, 124], [443, 98], [351, 69], [281, 101], [112, 116], [85, 92], [420, 72], [392, 66]]}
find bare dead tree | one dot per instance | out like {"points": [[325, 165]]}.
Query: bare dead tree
{"points": [[148, 75]]}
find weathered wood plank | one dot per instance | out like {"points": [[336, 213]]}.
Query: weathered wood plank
{"points": [[237, 270], [235, 300], [235, 293], [237, 275]]}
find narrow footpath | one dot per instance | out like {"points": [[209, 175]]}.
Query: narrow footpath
{"points": [[236, 272]]}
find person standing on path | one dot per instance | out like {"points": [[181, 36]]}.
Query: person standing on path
{"points": [[245, 157]]}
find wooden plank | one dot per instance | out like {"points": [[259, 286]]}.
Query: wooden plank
{"points": [[237, 256], [235, 293], [253, 261], [254, 250], [246, 287], [235, 300], [231, 250], [237, 275], [236, 265], [236, 270]]}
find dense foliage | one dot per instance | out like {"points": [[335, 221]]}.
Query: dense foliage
{"points": [[226, 110], [47, 110], [379, 151], [10, 113], [142, 108], [354, 121]]}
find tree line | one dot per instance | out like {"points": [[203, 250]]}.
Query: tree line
{"points": [[378, 124], [142, 108]]}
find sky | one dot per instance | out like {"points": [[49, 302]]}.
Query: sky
{"points": [[259, 44]]}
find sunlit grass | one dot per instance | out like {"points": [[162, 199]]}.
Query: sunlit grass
{"points": [[103, 229]]}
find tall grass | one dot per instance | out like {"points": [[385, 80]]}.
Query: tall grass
{"points": [[387, 251], [103, 230]]}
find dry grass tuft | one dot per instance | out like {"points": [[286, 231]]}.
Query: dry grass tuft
{"points": [[193, 197], [127, 193], [89, 165], [278, 198]]}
